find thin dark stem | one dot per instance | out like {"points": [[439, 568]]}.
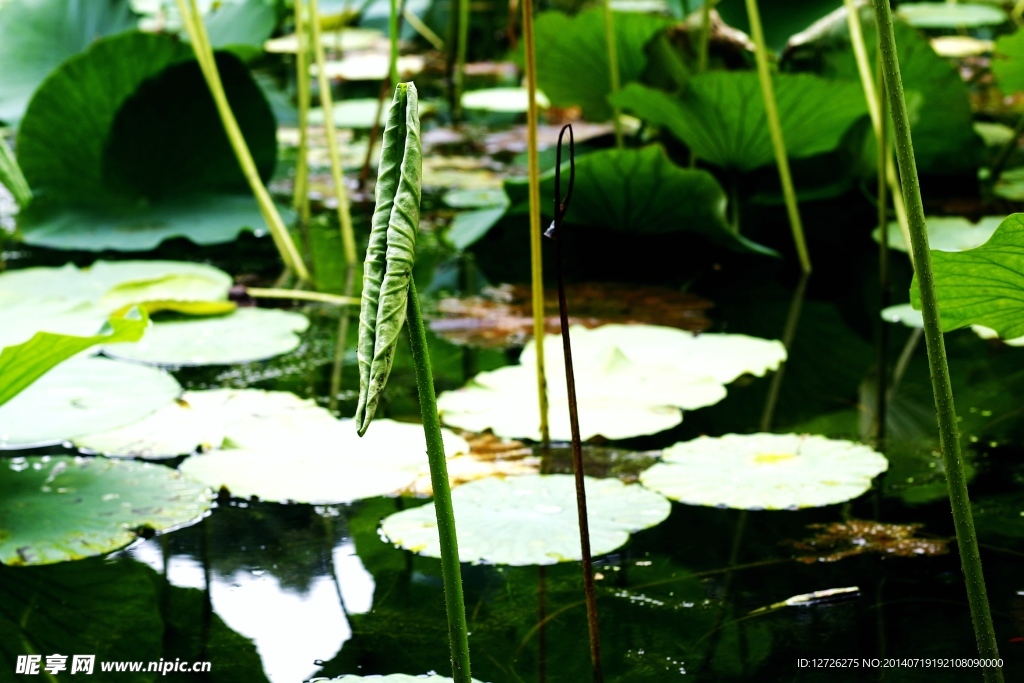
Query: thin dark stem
{"points": [[788, 333], [554, 232], [1006, 152]]}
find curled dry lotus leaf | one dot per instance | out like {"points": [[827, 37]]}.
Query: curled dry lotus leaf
{"points": [[531, 520], [765, 471], [390, 252], [60, 508]]}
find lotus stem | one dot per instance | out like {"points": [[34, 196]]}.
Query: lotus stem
{"points": [[458, 632], [435, 40], [536, 264], [705, 37], [613, 68], [11, 176], [884, 160], [300, 295], [875, 101], [949, 437], [337, 366], [788, 334], [300, 198], [393, 41], [348, 240], [775, 128], [460, 57], [555, 233], [204, 55]]}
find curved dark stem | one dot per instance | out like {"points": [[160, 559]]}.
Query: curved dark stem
{"points": [[554, 232]]}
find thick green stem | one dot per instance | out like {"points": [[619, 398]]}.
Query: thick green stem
{"points": [[393, 40], [536, 264], [460, 58], [705, 37], [949, 438], [613, 68], [771, 111], [204, 55], [458, 633], [300, 198], [348, 240]]}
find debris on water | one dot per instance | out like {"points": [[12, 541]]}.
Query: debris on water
{"points": [[856, 537]]}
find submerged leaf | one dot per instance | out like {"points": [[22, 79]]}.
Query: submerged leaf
{"points": [[59, 508], [765, 471], [840, 540], [531, 520], [390, 252]]}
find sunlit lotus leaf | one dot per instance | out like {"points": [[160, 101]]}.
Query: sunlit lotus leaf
{"points": [[370, 65], [765, 471], [502, 316], [200, 218], [60, 508], [475, 199], [355, 113], [80, 396], [958, 47], [947, 233], [203, 420], [114, 284], [630, 380], [904, 314], [531, 520], [326, 463], [245, 336], [950, 15], [505, 100], [350, 39]]}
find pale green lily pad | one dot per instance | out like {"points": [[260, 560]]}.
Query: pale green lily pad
{"points": [[631, 380], [1011, 185], [354, 113], [959, 47], [201, 218], [989, 333], [531, 520], [245, 336], [947, 233], [765, 471], [203, 420], [347, 40], [80, 396], [994, 134], [950, 15], [504, 100], [325, 464], [59, 508], [476, 199]]}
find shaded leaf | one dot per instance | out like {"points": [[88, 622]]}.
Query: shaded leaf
{"points": [[59, 508], [721, 116], [1008, 62]]}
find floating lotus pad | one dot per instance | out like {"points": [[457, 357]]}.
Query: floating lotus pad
{"points": [[204, 419], [911, 317], [80, 396], [950, 15], [504, 100], [631, 380], [59, 508], [324, 465], [531, 520], [245, 336], [947, 233], [765, 471]]}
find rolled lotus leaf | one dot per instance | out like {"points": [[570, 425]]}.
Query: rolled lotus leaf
{"points": [[390, 252]]}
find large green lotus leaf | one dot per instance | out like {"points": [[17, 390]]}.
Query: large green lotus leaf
{"points": [[721, 116], [641, 190], [245, 336], [572, 60], [531, 520], [950, 15], [61, 508], [247, 22], [944, 140], [23, 364], [40, 34], [202, 420], [1000, 515], [80, 396], [765, 471], [1008, 62], [947, 233], [200, 218], [131, 122], [323, 464], [631, 380], [95, 606], [911, 317], [982, 286]]}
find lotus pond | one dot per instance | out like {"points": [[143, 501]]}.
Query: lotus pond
{"points": [[183, 352]]}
